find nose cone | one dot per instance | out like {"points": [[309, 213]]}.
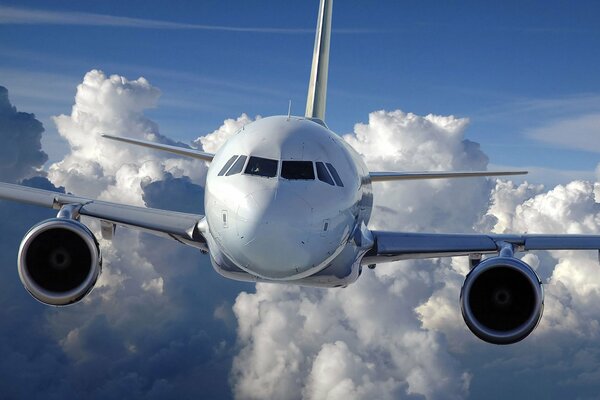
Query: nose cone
{"points": [[273, 235]]}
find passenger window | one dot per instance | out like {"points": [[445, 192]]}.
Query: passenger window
{"points": [[323, 175], [335, 175], [297, 170], [238, 166], [262, 167], [227, 165]]}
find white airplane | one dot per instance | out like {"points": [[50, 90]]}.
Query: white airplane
{"points": [[289, 201]]}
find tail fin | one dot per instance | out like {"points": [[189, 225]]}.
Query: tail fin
{"points": [[317, 86]]}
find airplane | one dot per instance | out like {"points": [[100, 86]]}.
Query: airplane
{"points": [[289, 201]]}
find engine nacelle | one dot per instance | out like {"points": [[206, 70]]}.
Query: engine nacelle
{"points": [[502, 300], [59, 261]]}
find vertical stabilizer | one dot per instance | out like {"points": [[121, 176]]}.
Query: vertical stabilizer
{"points": [[317, 86]]}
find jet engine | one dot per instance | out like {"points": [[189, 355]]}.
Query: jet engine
{"points": [[502, 300], [59, 261]]}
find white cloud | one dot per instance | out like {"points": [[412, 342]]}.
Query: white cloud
{"points": [[580, 133], [398, 332], [398, 141], [214, 140], [18, 15], [152, 328], [368, 336], [98, 167]]}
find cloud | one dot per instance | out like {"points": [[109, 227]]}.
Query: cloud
{"points": [[29, 16], [21, 154], [18, 15], [366, 341], [398, 331], [398, 141], [161, 323], [580, 133], [214, 140], [156, 325], [101, 168]]}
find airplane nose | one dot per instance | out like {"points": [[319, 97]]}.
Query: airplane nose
{"points": [[274, 229]]}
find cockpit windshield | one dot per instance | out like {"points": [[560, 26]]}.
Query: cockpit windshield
{"points": [[290, 169], [238, 166], [227, 165], [297, 170], [323, 174], [262, 167]]}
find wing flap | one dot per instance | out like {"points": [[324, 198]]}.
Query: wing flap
{"points": [[159, 222]]}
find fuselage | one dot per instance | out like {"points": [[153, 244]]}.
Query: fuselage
{"points": [[287, 200]]}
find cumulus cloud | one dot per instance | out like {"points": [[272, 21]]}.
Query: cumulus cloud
{"points": [[214, 140], [162, 324], [21, 154], [554, 355], [368, 337], [101, 168], [398, 141], [156, 325], [398, 332]]}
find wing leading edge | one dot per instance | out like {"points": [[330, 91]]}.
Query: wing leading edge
{"points": [[182, 227], [395, 246]]}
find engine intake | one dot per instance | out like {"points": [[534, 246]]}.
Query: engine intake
{"points": [[59, 261], [502, 300]]}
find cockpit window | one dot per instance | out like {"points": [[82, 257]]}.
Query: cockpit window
{"points": [[238, 166], [335, 175], [262, 167], [323, 175], [227, 165], [297, 170]]}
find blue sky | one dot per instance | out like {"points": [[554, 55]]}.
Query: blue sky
{"points": [[512, 68]]}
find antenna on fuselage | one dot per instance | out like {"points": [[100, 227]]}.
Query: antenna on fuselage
{"points": [[317, 86], [289, 110]]}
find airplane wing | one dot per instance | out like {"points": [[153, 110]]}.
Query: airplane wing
{"points": [[395, 246], [397, 176], [179, 226], [182, 151]]}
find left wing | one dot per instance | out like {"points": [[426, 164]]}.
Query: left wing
{"points": [[397, 176], [182, 227], [395, 246]]}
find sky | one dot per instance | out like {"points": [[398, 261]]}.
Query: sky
{"points": [[413, 86], [525, 75]]}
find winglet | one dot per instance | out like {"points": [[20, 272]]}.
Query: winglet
{"points": [[317, 86]]}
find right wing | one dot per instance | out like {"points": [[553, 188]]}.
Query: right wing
{"points": [[182, 227], [395, 246], [182, 151]]}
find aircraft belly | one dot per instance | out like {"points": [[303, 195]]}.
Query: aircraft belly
{"points": [[341, 270]]}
